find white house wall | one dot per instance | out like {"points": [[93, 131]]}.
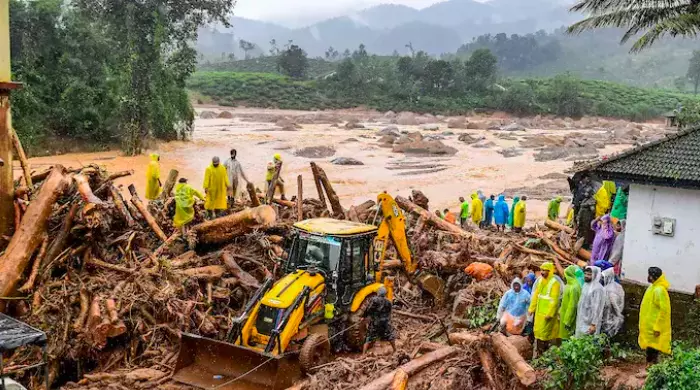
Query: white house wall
{"points": [[678, 256]]}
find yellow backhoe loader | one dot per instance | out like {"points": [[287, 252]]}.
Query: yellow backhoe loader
{"points": [[291, 326]]}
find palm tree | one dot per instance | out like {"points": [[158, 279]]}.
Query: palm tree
{"points": [[653, 19]]}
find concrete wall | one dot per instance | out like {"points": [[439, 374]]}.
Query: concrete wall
{"points": [[678, 256]]}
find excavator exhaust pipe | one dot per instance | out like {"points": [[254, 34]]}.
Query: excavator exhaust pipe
{"points": [[210, 364]]}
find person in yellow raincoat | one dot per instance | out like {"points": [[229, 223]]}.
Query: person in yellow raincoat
{"points": [[544, 305], [215, 187], [477, 209], [271, 167], [184, 204], [520, 212], [602, 202], [153, 184], [655, 317]]}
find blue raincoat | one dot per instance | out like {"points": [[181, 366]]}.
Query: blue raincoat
{"points": [[530, 282], [500, 211], [516, 304], [488, 212]]}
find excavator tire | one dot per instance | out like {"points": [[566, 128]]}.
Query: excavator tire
{"points": [[315, 351], [357, 334]]}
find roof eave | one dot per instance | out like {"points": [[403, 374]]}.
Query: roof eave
{"points": [[647, 180]]}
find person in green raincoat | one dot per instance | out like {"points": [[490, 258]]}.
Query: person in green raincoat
{"points": [[655, 317], [580, 277], [184, 204], [544, 305], [619, 209], [215, 187], [553, 209], [569, 303], [153, 184], [512, 211]]}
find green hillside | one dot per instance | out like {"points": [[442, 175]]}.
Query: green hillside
{"points": [[317, 66]]}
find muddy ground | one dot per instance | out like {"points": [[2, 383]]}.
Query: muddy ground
{"points": [[455, 157]]}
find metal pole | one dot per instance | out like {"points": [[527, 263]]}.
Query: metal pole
{"points": [[2, 373]]}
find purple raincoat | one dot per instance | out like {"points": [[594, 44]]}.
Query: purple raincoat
{"points": [[604, 239]]}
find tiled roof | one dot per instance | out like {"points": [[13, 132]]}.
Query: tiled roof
{"points": [[672, 161]]}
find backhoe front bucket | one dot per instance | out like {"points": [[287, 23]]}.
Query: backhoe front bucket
{"points": [[210, 364]]}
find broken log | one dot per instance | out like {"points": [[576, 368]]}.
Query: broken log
{"points": [[173, 237], [146, 214], [441, 224], [113, 267], [273, 183], [300, 199], [254, 200], [208, 273], [29, 284], [30, 234], [244, 278], [584, 254], [509, 353], [118, 327], [557, 226], [108, 181], [81, 182], [169, 184], [23, 162], [489, 368], [466, 338], [84, 307], [333, 199], [285, 203], [400, 381], [59, 243], [224, 229], [522, 344], [319, 186], [121, 207], [411, 368]]}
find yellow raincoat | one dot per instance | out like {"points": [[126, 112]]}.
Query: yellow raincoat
{"points": [[519, 214], [152, 178], [655, 316], [610, 187], [216, 186], [602, 202], [545, 305], [184, 204], [477, 209], [570, 217]]}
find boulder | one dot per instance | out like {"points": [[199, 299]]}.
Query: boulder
{"points": [[349, 140], [426, 119], [420, 199], [425, 148], [225, 115], [406, 119], [431, 127], [471, 139], [447, 133], [457, 123], [354, 123], [511, 152], [387, 140], [346, 161], [483, 144], [409, 137], [287, 124], [564, 153], [434, 137], [315, 152], [476, 126], [389, 130], [513, 127], [208, 115], [389, 115]]}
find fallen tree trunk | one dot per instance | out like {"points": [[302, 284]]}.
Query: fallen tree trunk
{"points": [[320, 175], [319, 186], [466, 338], [254, 200], [509, 353], [243, 277], [522, 344], [224, 229], [285, 203], [30, 234], [121, 207], [489, 368], [169, 184], [300, 198], [59, 243], [209, 273], [85, 191], [400, 381], [29, 284], [112, 177], [146, 214], [23, 162], [441, 224], [557, 226], [584, 254], [411, 367]]}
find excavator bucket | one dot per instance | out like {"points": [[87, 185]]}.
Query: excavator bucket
{"points": [[210, 364]]}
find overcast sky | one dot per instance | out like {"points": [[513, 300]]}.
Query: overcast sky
{"points": [[290, 10]]}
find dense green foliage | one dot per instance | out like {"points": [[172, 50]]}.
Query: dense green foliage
{"points": [[679, 372], [293, 62], [517, 52], [104, 73], [317, 67]]}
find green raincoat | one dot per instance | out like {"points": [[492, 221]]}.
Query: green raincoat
{"points": [[512, 211], [569, 303], [553, 209]]}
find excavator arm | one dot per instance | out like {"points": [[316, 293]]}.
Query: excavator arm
{"points": [[393, 228]]}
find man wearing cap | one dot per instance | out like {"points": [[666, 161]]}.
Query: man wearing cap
{"points": [[544, 305], [271, 168], [379, 315]]}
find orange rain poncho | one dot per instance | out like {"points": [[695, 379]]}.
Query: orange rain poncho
{"points": [[216, 186], [153, 178]]}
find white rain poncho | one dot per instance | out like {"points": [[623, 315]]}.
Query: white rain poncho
{"points": [[613, 320], [591, 305]]}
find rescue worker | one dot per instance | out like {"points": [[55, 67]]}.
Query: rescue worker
{"points": [[655, 317], [184, 204], [153, 184], [449, 216], [619, 208], [215, 187], [463, 212], [234, 171], [378, 313], [619, 245], [544, 305], [590, 307], [520, 215], [569, 304], [489, 208], [511, 215], [500, 213], [553, 209], [604, 238], [613, 319], [586, 214], [271, 168], [602, 201], [477, 209], [512, 309]]}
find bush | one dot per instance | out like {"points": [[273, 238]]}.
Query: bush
{"points": [[678, 373], [575, 365]]}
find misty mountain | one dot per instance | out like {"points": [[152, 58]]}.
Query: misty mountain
{"points": [[438, 29]]}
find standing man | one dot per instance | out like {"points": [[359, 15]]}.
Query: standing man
{"points": [[464, 212], [544, 305], [613, 319], [184, 204], [591, 304], [477, 210], [234, 171], [153, 184], [520, 215], [586, 215], [569, 304], [215, 186], [271, 168], [379, 314], [619, 209], [511, 215], [553, 209], [655, 317], [489, 208], [500, 213]]}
